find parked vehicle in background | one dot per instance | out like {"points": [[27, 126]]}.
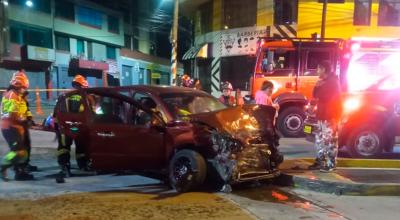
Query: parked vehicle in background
{"points": [[184, 134]]}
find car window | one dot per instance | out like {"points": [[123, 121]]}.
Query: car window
{"points": [[313, 59], [112, 110], [181, 105], [146, 100], [279, 63]]}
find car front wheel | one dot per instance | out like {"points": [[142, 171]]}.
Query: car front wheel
{"points": [[187, 170], [365, 142]]}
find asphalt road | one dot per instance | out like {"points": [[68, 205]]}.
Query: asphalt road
{"points": [[89, 196]]}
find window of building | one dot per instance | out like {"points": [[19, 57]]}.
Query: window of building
{"points": [[362, 12], [80, 47], [127, 39], [62, 43], [239, 13], [113, 24], [39, 5], [285, 11], [206, 17], [30, 35], [90, 50], [65, 10], [235, 69], [111, 53], [90, 17], [135, 44], [389, 13]]}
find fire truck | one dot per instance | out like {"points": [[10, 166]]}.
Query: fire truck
{"points": [[291, 65], [370, 121]]}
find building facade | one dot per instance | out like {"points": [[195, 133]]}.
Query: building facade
{"points": [[53, 40], [226, 31]]}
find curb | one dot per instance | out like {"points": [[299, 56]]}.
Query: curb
{"points": [[345, 187], [339, 188], [364, 163]]}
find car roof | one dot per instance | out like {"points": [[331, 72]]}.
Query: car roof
{"points": [[153, 89]]}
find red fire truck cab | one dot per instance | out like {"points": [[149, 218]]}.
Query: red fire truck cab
{"points": [[291, 65]]}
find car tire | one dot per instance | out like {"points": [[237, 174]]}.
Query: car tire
{"points": [[290, 122], [187, 170], [365, 142]]}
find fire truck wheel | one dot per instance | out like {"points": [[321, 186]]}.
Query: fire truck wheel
{"points": [[187, 170], [365, 142], [290, 121]]}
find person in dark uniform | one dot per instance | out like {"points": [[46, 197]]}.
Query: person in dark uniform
{"points": [[65, 142]]}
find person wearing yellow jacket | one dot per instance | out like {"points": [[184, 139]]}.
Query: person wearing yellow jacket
{"points": [[12, 117], [27, 123]]}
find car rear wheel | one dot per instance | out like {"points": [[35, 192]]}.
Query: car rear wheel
{"points": [[187, 170], [290, 122], [366, 142]]}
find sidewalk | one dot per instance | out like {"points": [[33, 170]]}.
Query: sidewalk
{"points": [[360, 177]]}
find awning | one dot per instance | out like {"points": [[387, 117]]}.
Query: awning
{"points": [[196, 51]]}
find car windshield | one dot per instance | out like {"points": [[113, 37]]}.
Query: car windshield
{"points": [[183, 104]]}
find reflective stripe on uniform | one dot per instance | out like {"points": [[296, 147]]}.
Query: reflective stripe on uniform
{"points": [[62, 151]]}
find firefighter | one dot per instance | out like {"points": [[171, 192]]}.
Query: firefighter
{"points": [[27, 123], [329, 106], [186, 81], [227, 98], [65, 142], [13, 116]]}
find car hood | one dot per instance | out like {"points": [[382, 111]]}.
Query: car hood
{"points": [[244, 123]]}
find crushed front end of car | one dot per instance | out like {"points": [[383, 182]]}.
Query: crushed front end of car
{"points": [[244, 142]]}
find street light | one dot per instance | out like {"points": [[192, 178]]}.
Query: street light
{"points": [[29, 3], [5, 3]]}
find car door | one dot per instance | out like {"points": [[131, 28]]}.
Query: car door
{"points": [[117, 142], [71, 113]]}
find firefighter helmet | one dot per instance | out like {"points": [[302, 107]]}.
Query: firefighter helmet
{"points": [[226, 85], [80, 81], [186, 81], [20, 81]]}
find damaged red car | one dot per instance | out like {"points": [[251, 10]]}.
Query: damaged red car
{"points": [[181, 133]]}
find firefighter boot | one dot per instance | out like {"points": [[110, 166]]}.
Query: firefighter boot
{"points": [[3, 174], [22, 175], [31, 168], [66, 171]]}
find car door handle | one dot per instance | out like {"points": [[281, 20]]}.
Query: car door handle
{"points": [[73, 123], [105, 134]]}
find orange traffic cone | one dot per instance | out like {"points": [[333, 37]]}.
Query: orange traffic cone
{"points": [[38, 106]]}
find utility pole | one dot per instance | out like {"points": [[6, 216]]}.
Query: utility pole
{"points": [[174, 43], [4, 38], [323, 19]]}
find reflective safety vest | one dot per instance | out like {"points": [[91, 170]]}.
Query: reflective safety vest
{"points": [[74, 104], [13, 103]]}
